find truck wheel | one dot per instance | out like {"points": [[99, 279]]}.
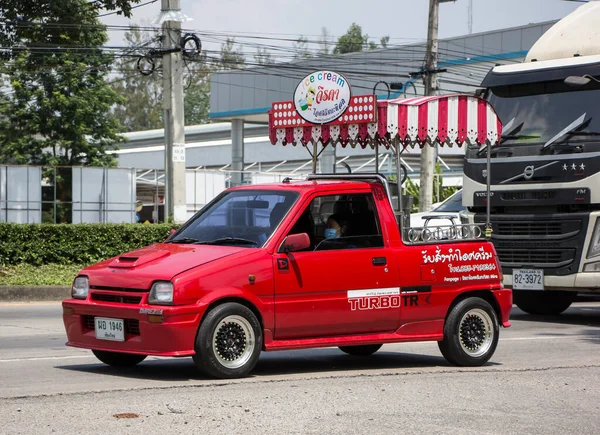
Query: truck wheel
{"points": [[229, 341], [365, 350], [118, 359], [471, 333], [546, 303]]}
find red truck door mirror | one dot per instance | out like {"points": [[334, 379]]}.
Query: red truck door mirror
{"points": [[296, 242]]}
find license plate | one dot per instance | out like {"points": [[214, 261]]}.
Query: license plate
{"points": [[110, 329], [528, 279]]}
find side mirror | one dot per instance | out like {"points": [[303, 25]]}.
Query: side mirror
{"points": [[296, 242]]}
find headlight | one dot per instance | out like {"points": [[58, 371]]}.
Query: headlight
{"points": [[594, 249], [80, 288], [161, 293]]}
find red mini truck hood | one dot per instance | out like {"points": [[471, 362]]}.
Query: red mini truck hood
{"points": [[160, 262]]}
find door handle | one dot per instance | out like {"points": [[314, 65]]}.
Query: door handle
{"points": [[379, 261]]}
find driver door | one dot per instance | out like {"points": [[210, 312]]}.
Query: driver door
{"points": [[346, 287]]}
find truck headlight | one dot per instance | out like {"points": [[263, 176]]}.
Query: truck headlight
{"points": [[594, 249], [161, 293], [81, 287]]}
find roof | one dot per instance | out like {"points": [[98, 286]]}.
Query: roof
{"points": [[308, 185], [576, 34]]}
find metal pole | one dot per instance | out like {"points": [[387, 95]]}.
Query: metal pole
{"points": [[314, 156], [431, 88], [54, 204], [488, 223], [175, 199]]}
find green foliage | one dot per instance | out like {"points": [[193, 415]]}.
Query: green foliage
{"points": [[59, 106], [231, 56], [46, 274], [141, 107], [38, 244], [325, 42], [142, 104], [301, 50], [354, 41], [263, 56], [440, 192]]}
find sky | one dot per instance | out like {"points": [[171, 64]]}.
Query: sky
{"points": [[404, 21]]}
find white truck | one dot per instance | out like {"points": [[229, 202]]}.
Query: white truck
{"points": [[545, 172]]}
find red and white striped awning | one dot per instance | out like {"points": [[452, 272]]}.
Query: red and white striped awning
{"points": [[444, 120]]}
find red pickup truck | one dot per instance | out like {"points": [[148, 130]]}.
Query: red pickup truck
{"points": [[265, 267]]}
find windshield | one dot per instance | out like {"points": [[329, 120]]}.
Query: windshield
{"points": [[243, 217], [543, 110], [452, 204]]}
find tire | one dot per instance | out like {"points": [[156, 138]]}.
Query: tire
{"points": [[545, 303], [471, 333], [365, 350], [118, 359], [229, 341]]}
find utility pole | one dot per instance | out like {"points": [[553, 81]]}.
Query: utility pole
{"points": [[428, 153], [470, 16], [175, 199]]}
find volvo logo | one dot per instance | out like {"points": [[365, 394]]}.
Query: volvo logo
{"points": [[528, 172]]}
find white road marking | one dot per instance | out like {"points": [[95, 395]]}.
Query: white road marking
{"points": [[45, 358]]}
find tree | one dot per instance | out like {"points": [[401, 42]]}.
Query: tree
{"points": [[384, 41], [352, 41], [59, 108], [197, 91], [16, 13], [263, 56], [325, 42], [301, 50], [142, 107], [231, 57]]}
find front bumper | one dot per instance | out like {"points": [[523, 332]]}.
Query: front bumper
{"points": [[175, 335]]}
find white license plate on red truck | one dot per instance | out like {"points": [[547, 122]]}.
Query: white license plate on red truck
{"points": [[528, 279], [109, 329]]}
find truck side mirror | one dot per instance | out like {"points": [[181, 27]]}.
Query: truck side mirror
{"points": [[296, 242]]}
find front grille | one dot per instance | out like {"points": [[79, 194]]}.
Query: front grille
{"points": [[117, 289], [88, 322], [132, 326], [116, 298], [528, 196], [516, 228], [526, 257]]}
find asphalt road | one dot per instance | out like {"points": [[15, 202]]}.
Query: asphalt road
{"points": [[543, 379]]}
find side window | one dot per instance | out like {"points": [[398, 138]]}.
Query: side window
{"points": [[341, 222]]}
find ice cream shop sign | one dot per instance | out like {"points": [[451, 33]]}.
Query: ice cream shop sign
{"points": [[322, 97]]}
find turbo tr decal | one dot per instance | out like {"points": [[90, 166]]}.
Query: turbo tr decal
{"points": [[382, 298], [455, 255], [383, 302]]}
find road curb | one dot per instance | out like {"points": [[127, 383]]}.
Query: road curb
{"points": [[34, 293]]}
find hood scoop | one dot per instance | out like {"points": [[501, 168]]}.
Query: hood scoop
{"points": [[138, 258]]}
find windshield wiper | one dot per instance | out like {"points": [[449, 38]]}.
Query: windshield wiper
{"points": [[568, 129], [227, 240], [183, 240], [511, 133]]}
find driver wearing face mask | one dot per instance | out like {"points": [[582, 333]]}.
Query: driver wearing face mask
{"points": [[336, 227]]}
